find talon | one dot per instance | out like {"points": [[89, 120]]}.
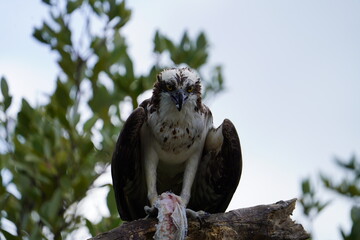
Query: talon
{"points": [[199, 216], [151, 211], [202, 221], [192, 214]]}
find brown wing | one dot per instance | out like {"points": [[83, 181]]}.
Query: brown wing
{"points": [[126, 169], [218, 174]]}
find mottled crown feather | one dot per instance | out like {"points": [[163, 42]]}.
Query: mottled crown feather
{"points": [[180, 76]]}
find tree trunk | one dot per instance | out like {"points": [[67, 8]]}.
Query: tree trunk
{"points": [[260, 222]]}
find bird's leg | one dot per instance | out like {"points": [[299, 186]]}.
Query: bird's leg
{"points": [[188, 178], [151, 164]]}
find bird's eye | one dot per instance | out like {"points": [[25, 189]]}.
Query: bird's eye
{"points": [[190, 89], [169, 87]]}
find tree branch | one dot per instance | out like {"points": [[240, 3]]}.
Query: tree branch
{"points": [[266, 222]]}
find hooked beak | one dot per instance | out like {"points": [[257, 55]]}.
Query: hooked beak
{"points": [[179, 97]]}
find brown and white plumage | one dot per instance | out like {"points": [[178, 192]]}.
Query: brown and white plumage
{"points": [[169, 143]]}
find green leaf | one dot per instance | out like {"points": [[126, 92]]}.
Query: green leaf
{"points": [[47, 2], [101, 101], [111, 203], [38, 34], [26, 106], [355, 214], [63, 35], [67, 65], [124, 14], [185, 42], [87, 148], [322, 206], [8, 235], [72, 5], [305, 185], [25, 119], [7, 103], [352, 165], [95, 7], [5, 92], [90, 123], [201, 41], [326, 181], [90, 227], [159, 43], [62, 96], [37, 145], [36, 233], [54, 205], [198, 58], [4, 88]]}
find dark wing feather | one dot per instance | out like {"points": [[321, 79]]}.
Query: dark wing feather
{"points": [[126, 169], [218, 174]]}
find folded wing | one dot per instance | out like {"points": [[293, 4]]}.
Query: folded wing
{"points": [[126, 169], [219, 171]]}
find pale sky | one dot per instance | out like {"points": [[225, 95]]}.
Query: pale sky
{"points": [[292, 72]]}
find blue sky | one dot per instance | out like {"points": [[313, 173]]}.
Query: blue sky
{"points": [[292, 71]]}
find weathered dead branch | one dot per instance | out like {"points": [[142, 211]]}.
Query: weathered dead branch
{"points": [[260, 222]]}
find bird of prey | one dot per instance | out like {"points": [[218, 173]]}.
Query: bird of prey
{"points": [[169, 143]]}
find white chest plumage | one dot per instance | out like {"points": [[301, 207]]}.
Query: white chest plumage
{"points": [[177, 134]]}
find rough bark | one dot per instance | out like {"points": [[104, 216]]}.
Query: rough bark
{"points": [[260, 222]]}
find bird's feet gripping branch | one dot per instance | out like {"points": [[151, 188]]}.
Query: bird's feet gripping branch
{"points": [[154, 210], [169, 143], [172, 217]]}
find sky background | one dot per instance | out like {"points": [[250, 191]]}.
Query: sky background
{"points": [[292, 72]]}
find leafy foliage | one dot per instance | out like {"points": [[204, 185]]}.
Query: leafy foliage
{"points": [[309, 200], [53, 153], [348, 187]]}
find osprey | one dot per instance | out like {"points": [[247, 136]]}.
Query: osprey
{"points": [[169, 143]]}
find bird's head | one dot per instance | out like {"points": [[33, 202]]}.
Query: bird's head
{"points": [[180, 86]]}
